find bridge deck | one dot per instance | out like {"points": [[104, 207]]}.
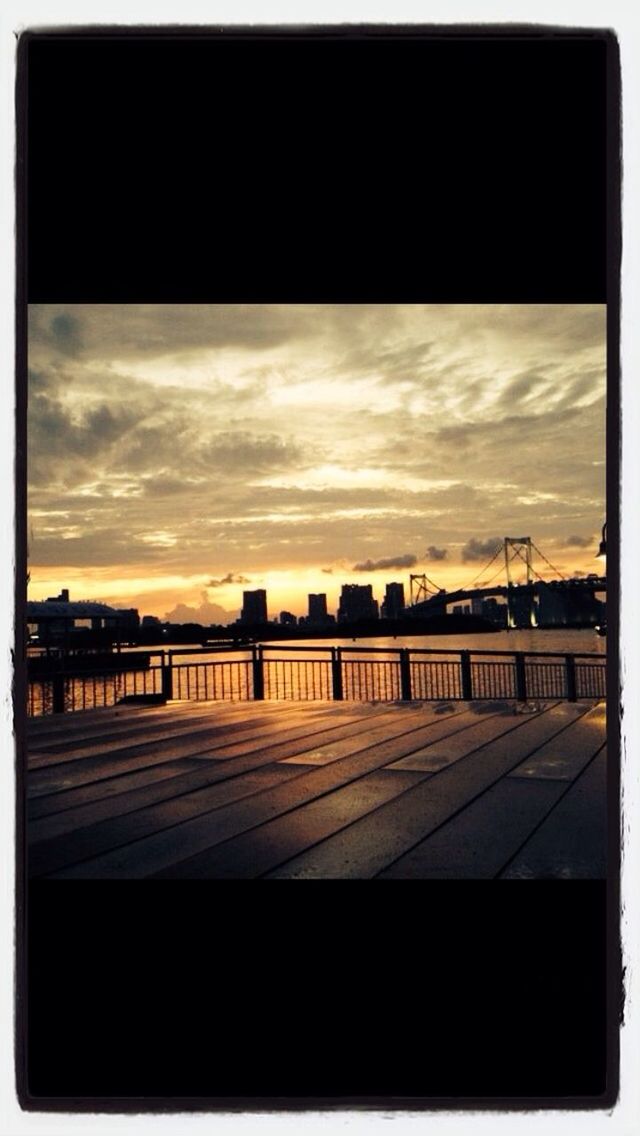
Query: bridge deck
{"points": [[311, 790]]}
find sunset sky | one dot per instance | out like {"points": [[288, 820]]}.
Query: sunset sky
{"points": [[179, 455]]}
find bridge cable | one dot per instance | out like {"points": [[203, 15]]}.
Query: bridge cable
{"points": [[552, 566], [482, 571], [517, 552], [433, 584], [486, 583]]}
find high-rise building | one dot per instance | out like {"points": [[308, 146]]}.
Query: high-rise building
{"points": [[357, 602], [317, 608], [254, 607], [393, 602]]}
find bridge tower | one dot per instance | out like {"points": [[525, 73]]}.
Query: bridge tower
{"points": [[418, 589], [519, 546]]}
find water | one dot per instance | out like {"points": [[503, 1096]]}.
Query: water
{"points": [[565, 640]]}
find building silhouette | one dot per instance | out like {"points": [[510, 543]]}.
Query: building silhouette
{"points": [[317, 609], [288, 619], [393, 603], [494, 611], [254, 607], [357, 603]]}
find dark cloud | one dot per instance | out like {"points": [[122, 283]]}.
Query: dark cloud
{"points": [[327, 571], [407, 560], [128, 331], [65, 331], [56, 436], [476, 549], [576, 541], [159, 485], [250, 454], [230, 578], [522, 387], [391, 365], [434, 553]]}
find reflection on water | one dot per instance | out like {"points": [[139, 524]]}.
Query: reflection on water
{"points": [[566, 640]]}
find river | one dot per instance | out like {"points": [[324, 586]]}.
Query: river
{"points": [[565, 640]]}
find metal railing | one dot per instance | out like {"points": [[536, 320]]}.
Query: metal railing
{"points": [[371, 674]]}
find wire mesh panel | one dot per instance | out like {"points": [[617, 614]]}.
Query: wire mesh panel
{"points": [[436, 681], [89, 692], [495, 679], [39, 698], [591, 679], [371, 680], [300, 679], [546, 679], [205, 682]]}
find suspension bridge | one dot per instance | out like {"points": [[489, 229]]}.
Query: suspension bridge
{"points": [[523, 595]]}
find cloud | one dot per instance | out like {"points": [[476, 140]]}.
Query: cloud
{"points": [[206, 613], [60, 437], [434, 553], [241, 451], [65, 332], [522, 387], [154, 330], [576, 541], [405, 561], [230, 578], [159, 433], [476, 549]]}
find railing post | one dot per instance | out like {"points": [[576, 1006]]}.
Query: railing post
{"points": [[167, 676], [405, 674], [258, 674], [570, 670], [336, 673], [58, 694], [465, 676], [521, 677]]}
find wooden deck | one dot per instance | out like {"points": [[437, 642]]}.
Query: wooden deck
{"points": [[319, 790]]}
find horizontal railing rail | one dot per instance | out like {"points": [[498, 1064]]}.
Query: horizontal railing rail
{"points": [[267, 671]]}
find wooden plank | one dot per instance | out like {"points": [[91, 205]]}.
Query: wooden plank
{"points": [[114, 733], [142, 741], [96, 791], [483, 729], [109, 831], [477, 842], [68, 775], [100, 720], [373, 843], [567, 755], [255, 852], [336, 750], [571, 844], [82, 842], [182, 780], [192, 837], [124, 779]]}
